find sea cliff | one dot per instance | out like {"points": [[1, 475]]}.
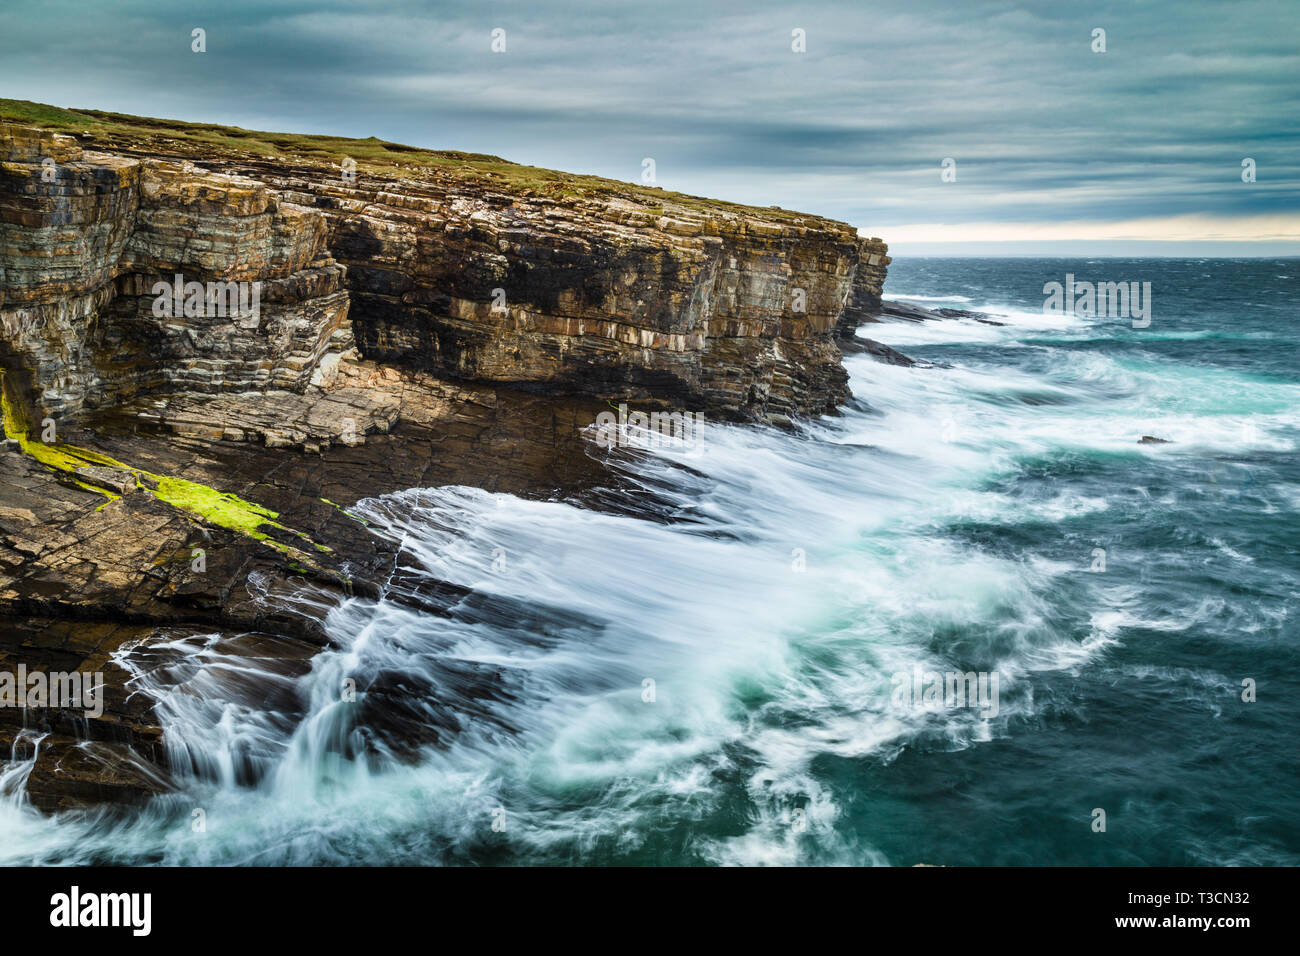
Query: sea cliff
{"points": [[214, 341]]}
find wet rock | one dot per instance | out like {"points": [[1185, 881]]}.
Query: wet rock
{"points": [[80, 759], [889, 310], [882, 353], [412, 331]]}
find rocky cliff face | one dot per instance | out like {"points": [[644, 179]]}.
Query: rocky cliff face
{"points": [[87, 238], [708, 309], [864, 301], [623, 294], [192, 319]]}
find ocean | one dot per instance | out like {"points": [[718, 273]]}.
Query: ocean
{"points": [[741, 654]]}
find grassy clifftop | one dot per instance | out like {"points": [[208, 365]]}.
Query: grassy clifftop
{"points": [[165, 136]]}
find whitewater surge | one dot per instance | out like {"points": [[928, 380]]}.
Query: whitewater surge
{"points": [[702, 667]]}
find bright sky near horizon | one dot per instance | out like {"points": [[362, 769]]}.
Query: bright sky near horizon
{"points": [[1055, 144]]}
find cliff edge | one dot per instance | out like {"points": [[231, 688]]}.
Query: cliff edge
{"points": [[213, 342], [464, 266]]}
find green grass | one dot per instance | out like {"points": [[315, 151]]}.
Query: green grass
{"points": [[200, 140]]}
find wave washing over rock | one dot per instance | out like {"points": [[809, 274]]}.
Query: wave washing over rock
{"points": [[385, 564], [215, 342]]}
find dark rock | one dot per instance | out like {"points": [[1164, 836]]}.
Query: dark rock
{"points": [[883, 353], [114, 479], [910, 312], [205, 465]]}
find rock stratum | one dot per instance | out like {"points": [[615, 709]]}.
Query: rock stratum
{"points": [[214, 341]]}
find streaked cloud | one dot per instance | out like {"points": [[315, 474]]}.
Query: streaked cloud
{"points": [[1049, 137], [1283, 227]]}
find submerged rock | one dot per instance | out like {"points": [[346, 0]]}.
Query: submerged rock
{"points": [[889, 310], [881, 352]]}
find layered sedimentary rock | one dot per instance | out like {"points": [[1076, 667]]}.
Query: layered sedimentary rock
{"points": [[653, 298], [88, 239], [707, 309], [863, 303], [629, 294], [413, 326]]}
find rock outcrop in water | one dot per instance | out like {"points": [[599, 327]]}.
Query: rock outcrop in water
{"points": [[179, 465]]}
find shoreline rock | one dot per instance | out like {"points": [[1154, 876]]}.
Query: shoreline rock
{"points": [[166, 476]]}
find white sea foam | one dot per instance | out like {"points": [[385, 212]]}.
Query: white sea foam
{"points": [[790, 577]]}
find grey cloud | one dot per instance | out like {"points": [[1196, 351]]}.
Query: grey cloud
{"points": [[1041, 127]]}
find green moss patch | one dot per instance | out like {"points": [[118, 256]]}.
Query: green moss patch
{"points": [[218, 508]]}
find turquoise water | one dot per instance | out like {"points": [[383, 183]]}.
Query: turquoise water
{"points": [[703, 668]]}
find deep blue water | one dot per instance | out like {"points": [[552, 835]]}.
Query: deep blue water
{"points": [[725, 689], [1202, 543]]}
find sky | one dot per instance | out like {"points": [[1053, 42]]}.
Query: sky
{"points": [[1057, 148]]}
